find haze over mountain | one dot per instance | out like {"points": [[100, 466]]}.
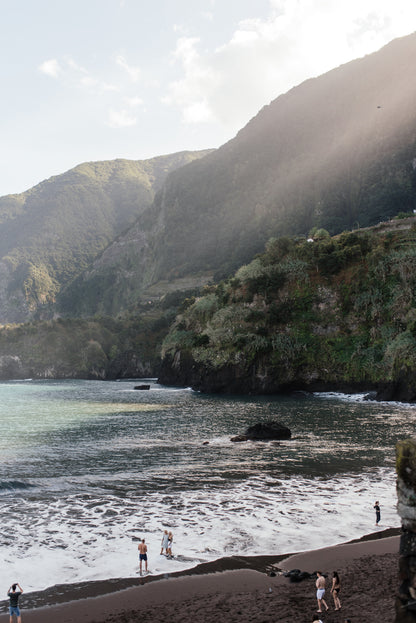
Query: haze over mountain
{"points": [[338, 152]]}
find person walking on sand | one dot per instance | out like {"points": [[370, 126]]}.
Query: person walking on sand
{"points": [[378, 513], [320, 591], [165, 543], [142, 547], [13, 596], [170, 541], [335, 588]]}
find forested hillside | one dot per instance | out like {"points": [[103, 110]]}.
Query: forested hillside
{"points": [[317, 314], [108, 250], [51, 233], [338, 151]]}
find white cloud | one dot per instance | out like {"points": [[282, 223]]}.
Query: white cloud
{"points": [[121, 119], [190, 93], [73, 75], [208, 15], [267, 56], [134, 102], [132, 71], [50, 68], [197, 112], [75, 67], [95, 84]]}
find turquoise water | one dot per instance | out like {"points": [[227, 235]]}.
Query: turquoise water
{"points": [[88, 467]]}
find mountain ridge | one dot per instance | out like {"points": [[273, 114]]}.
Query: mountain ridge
{"points": [[52, 232], [335, 151]]}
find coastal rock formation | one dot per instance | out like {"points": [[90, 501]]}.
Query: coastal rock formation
{"points": [[11, 367], [264, 431], [129, 365], [403, 389], [406, 506]]}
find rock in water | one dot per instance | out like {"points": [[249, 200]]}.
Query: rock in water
{"points": [[264, 431], [268, 430]]}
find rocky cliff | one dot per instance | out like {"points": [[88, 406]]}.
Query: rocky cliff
{"points": [[333, 313]]}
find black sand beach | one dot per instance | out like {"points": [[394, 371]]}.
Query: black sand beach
{"points": [[235, 589]]}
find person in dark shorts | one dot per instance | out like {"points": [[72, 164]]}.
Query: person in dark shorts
{"points": [[335, 589], [170, 541], [13, 596], [142, 547], [378, 513]]}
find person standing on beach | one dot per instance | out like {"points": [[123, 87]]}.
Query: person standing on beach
{"points": [[378, 514], [13, 596], [335, 588], [170, 541], [320, 591], [165, 543], [142, 547]]}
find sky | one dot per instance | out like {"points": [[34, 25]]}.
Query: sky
{"points": [[86, 80]]}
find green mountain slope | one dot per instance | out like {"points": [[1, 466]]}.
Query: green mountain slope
{"points": [[334, 313], [336, 151], [51, 233]]}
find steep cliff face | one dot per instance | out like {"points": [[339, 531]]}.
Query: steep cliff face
{"points": [[335, 313], [336, 152], [100, 348]]}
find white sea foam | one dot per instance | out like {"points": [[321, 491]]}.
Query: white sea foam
{"points": [[84, 538], [359, 397], [341, 396]]}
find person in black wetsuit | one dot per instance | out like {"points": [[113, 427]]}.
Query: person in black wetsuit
{"points": [[14, 595], [378, 514]]}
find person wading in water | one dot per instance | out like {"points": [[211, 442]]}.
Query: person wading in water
{"points": [[142, 547]]}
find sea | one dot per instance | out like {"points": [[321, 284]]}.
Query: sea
{"points": [[89, 467]]}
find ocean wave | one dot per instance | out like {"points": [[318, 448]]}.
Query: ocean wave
{"points": [[341, 396], [78, 537], [13, 485]]}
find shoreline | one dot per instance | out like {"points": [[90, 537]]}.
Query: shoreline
{"points": [[230, 577]]}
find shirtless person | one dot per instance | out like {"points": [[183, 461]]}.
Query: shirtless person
{"points": [[320, 591], [142, 547]]}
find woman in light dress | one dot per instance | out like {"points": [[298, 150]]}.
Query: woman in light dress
{"points": [[165, 543]]}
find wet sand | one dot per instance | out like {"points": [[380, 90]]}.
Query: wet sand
{"points": [[235, 589]]}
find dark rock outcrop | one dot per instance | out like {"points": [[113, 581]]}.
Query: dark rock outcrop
{"points": [[401, 390], [239, 438], [11, 367], [268, 430], [181, 370], [264, 431], [129, 365], [296, 575]]}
